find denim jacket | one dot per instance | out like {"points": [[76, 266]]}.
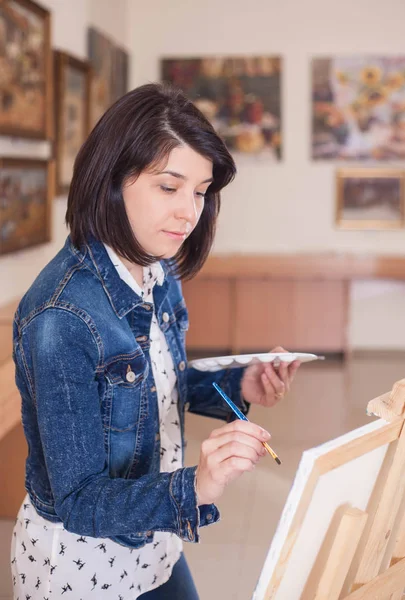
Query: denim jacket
{"points": [[89, 408]]}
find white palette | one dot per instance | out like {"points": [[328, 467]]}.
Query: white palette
{"points": [[216, 363]]}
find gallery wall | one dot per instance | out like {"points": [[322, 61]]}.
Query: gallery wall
{"points": [[289, 206], [70, 21], [282, 207]]}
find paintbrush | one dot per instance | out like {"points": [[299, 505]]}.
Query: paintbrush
{"points": [[241, 416]]}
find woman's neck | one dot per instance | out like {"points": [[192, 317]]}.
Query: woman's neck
{"points": [[135, 270]]}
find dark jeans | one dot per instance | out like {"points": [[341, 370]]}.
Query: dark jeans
{"points": [[179, 587]]}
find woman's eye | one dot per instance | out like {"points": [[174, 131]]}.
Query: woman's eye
{"points": [[201, 194], [169, 190]]}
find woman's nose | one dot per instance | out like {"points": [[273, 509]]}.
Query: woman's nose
{"points": [[187, 208]]}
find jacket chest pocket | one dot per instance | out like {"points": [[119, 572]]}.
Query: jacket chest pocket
{"points": [[129, 406]]}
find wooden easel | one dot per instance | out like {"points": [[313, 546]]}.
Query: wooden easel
{"points": [[366, 558]]}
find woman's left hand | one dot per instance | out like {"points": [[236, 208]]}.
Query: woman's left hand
{"points": [[265, 385]]}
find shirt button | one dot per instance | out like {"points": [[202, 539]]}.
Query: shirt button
{"points": [[147, 306], [182, 365], [157, 437], [148, 533], [165, 317], [142, 338], [130, 377], [209, 517], [153, 389]]}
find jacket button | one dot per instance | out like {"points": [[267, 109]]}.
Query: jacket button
{"points": [[182, 365], [147, 306], [153, 389], [165, 317], [130, 377]]}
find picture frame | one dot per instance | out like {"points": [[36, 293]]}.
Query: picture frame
{"points": [[371, 198], [26, 82], [120, 73], [72, 113], [240, 96], [358, 108], [101, 54], [26, 198]]}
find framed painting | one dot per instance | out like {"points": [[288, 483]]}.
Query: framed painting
{"points": [[358, 108], [72, 105], [370, 198], [120, 73], [241, 96], [25, 70], [26, 195], [101, 53]]}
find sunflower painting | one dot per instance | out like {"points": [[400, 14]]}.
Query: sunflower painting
{"points": [[358, 108], [239, 95]]}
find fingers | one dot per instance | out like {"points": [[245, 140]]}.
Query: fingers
{"points": [[245, 427], [225, 455], [277, 350], [280, 375], [293, 368], [275, 379], [236, 450], [233, 437]]}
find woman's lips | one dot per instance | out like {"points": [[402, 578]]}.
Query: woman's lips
{"points": [[176, 235]]}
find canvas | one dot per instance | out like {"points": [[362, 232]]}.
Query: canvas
{"points": [[342, 530]]}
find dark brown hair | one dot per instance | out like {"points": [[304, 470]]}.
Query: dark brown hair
{"points": [[136, 133]]}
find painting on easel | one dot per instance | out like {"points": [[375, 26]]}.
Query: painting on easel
{"points": [[342, 531]]}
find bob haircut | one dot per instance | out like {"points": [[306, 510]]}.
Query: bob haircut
{"points": [[136, 134]]}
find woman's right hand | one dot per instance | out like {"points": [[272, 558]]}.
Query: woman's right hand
{"points": [[225, 455]]}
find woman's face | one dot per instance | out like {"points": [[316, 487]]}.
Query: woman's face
{"points": [[164, 206]]}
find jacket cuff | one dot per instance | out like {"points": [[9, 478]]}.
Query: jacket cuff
{"points": [[184, 497], [209, 514], [190, 516]]}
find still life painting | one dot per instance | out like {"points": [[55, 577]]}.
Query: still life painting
{"points": [[241, 96]]}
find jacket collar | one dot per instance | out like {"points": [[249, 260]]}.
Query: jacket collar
{"points": [[122, 298]]}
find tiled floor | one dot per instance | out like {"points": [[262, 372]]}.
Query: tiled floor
{"points": [[328, 399]]}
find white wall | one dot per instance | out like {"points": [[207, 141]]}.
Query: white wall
{"points": [[287, 207], [70, 19]]}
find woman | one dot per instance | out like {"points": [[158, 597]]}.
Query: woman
{"points": [[102, 371]]}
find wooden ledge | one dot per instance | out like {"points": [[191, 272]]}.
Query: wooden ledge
{"points": [[305, 266]]}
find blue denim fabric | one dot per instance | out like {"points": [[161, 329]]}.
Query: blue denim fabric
{"points": [[93, 432]]}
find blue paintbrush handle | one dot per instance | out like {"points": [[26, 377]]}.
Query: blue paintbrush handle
{"points": [[235, 409]]}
